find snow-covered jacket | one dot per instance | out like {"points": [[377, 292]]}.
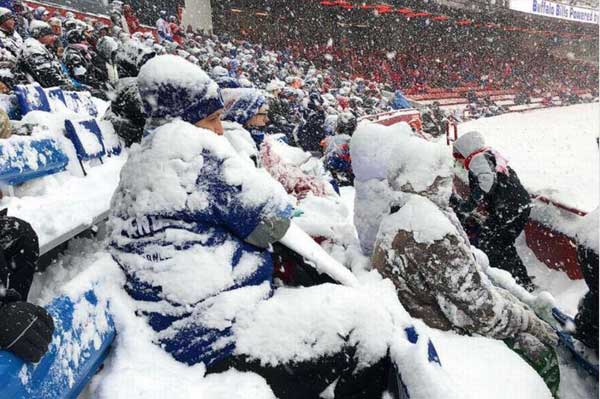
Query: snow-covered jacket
{"points": [[10, 47], [424, 251], [337, 152], [492, 182], [191, 222], [164, 30], [43, 66], [399, 101]]}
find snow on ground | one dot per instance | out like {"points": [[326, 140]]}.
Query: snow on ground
{"points": [[553, 150]]}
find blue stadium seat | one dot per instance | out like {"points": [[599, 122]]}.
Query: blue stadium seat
{"points": [[24, 158], [56, 98], [86, 137], [10, 104], [80, 102], [73, 358], [32, 97]]}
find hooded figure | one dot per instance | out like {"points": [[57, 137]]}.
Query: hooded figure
{"points": [[494, 185], [399, 101], [191, 228], [422, 248]]}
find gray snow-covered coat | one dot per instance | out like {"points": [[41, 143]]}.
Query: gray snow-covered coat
{"points": [[424, 251]]}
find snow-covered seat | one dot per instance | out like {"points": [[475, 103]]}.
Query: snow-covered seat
{"points": [[86, 136], [80, 102], [32, 97], [84, 333], [25, 158], [10, 104]]}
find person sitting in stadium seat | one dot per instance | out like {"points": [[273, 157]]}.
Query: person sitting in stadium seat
{"points": [[25, 329], [223, 225], [39, 62]]}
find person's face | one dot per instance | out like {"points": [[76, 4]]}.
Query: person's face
{"points": [[212, 122], [261, 119], [57, 29], [8, 25], [48, 40]]}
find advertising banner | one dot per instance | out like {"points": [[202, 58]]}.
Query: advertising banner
{"points": [[556, 10]]}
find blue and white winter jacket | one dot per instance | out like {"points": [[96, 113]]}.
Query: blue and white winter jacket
{"points": [[191, 222]]}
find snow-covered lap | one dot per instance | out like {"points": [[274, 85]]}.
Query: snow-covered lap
{"points": [[554, 150], [487, 368]]}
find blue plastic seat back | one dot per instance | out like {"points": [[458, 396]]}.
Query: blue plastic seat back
{"points": [[10, 104], [32, 97], [86, 137], [74, 355], [112, 142], [80, 102], [24, 158], [56, 98]]}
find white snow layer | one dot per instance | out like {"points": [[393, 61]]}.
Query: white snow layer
{"points": [[553, 151]]}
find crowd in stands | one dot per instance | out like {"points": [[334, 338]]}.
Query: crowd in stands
{"points": [[263, 92], [419, 55]]}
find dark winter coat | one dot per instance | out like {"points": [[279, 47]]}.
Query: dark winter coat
{"points": [[10, 47], [84, 65], [42, 65], [311, 132], [126, 112], [492, 182]]}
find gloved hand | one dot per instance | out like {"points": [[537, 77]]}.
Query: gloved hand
{"points": [[543, 331], [455, 200], [26, 330]]}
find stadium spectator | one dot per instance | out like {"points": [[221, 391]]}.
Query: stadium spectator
{"points": [[10, 47], [163, 28], [494, 186], [38, 61], [25, 329], [184, 106], [131, 21]]}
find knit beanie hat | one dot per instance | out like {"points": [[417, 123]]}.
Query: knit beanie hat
{"points": [[5, 15], [40, 29], [242, 104], [171, 87]]}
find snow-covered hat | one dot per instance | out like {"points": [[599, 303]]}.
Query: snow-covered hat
{"points": [[468, 143], [242, 104], [39, 29], [5, 15], [171, 87]]}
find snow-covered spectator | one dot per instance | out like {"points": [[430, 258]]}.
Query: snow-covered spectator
{"points": [[163, 28], [38, 61], [586, 321], [247, 107], [25, 329], [10, 47], [495, 186], [336, 149], [422, 248], [192, 238]]}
